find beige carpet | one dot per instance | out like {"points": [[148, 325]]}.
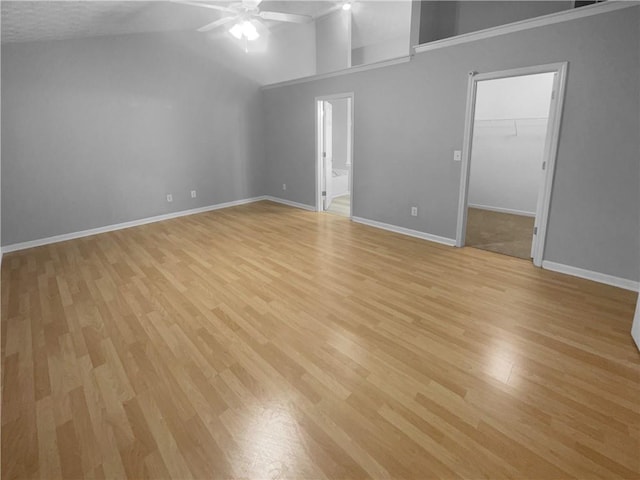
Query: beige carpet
{"points": [[500, 232], [341, 206]]}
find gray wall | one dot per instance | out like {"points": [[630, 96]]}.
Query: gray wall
{"points": [[380, 30], [388, 49], [97, 132], [635, 326], [437, 20], [446, 19], [333, 42], [409, 118], [0, 159], [478, 15]]}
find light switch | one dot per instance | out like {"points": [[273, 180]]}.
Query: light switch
{"points": [[457, 155]]}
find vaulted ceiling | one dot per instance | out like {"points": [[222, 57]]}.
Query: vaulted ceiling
{"points": [[24, 21]]}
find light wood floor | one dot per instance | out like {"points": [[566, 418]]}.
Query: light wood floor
{"points": [[341, 206], [264, 341]]}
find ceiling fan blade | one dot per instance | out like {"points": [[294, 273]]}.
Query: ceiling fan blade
{"points": [[218, 23], [205, 5], [285, 17]]}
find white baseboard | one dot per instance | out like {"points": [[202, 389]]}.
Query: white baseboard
{"points": [[406, 231], [290, 203], [119, 226], [341, 195], [503, 210], [591, 275]]}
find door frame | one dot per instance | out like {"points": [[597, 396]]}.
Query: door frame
{"points": [[319, 137], [550, 150]]}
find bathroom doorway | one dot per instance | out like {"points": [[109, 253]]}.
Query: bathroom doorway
{"points": [[334, 164], [511, 137]]}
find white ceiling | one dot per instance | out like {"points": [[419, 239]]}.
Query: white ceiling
{"points": [[24, 20]]}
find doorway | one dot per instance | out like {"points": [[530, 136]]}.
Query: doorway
{"points": [[511, 137], [334, 162]]}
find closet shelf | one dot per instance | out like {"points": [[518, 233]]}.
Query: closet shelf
{"points": [[510, 123]]}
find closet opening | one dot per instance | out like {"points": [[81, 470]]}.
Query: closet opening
{"points": [[511, 138]]}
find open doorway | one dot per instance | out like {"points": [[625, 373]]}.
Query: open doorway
{"points": [[334, 184], [511, 137]]}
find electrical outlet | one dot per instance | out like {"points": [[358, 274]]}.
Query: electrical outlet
{"points": [[284, 186], [457, 155], [414, 211], [193, 194], [169, 198]]}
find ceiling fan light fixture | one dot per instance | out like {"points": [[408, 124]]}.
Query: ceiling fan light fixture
{"points": [[236, 31], [250, 31], [244, 29]]}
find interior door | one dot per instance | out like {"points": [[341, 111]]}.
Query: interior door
{"points": [[543, 170], [327, 154], [542, 175]]}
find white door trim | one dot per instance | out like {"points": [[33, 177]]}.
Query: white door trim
{"points": [[318, 160], [635, 326], [550, 154]]}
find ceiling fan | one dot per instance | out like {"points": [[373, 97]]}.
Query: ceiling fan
{"points": [[246, 17]]}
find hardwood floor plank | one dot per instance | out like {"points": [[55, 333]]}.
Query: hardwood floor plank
{"points": [[171, 456], [69, 450], [48, 459], [263, 341]]}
